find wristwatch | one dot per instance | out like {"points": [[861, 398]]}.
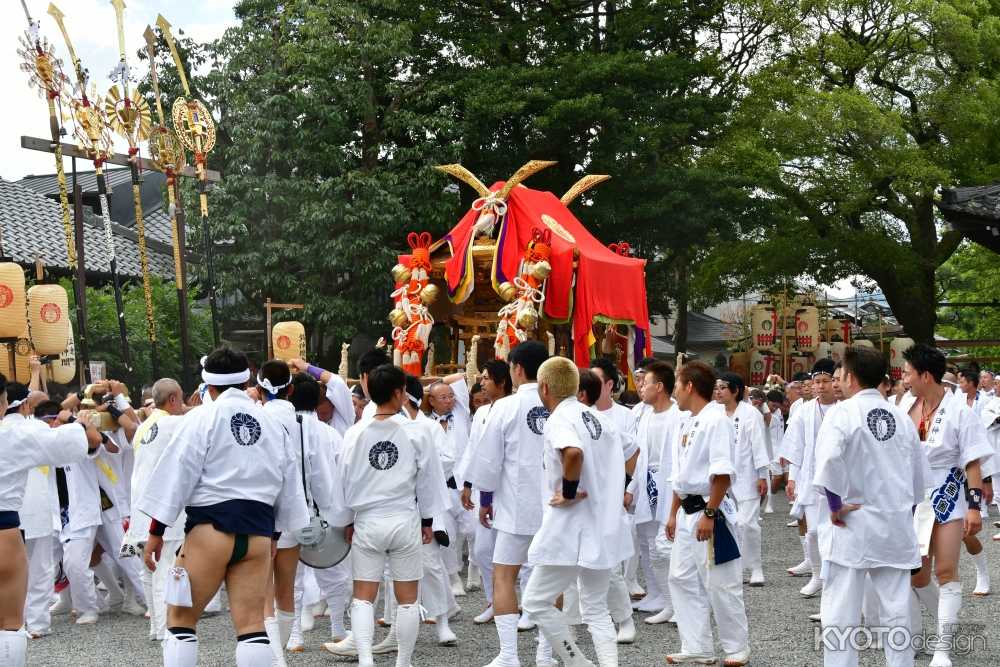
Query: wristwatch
{"points": [[710, 512]]}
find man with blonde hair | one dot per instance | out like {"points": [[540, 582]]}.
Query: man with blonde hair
{"points": [[583, 532]]}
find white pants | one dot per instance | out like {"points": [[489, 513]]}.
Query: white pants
{"points": [[653, 564], [619, 600], [41, 577], [549, 581], [110, 536], [78, 545], [335, 587], [843, 594], [482, 556], [748, 515], [701, 591], [435, 586], [154, 585]]}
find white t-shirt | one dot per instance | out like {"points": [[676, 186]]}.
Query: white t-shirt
{"points": [[508, 460], [868, 453], [592, 533], [703, 448], [654, 432], [751, 449]]}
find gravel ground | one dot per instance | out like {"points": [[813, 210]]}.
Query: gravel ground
{"points": [[781, 634]]}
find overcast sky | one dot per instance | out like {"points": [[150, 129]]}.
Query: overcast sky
{"points": [[91, 26]]}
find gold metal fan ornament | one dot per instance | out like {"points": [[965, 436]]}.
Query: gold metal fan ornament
{"points": [[129, 115], [194, 125]]}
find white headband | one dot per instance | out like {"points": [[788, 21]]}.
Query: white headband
{"points": [[14, 404], [413, 399], [225, 379], [270, 388]]}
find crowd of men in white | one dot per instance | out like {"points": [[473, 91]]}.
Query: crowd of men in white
{"points": [[558, 494]]}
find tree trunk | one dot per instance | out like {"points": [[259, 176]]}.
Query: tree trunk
{"points": [[914, 305]]}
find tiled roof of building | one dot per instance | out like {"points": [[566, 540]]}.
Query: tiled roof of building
{"points": [[31, 226]]}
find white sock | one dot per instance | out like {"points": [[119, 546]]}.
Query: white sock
{"points": [[928, 596], [980, 560], [363, 627], [507, 631], [335, 609], [285, 620], [407, 626], [442, 624], [106, 573], [543, 653], [949, 603], [13, 648], [805, 548], [274, 638], [180, 648], [253, 650], [814, 554]]}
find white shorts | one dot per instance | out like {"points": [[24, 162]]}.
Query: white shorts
{"points": [[511, 549], [395, 539], [287, 540]]}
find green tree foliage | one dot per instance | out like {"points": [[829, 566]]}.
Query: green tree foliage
{"points": [[971, 275], [850, 127], [102, 329]]}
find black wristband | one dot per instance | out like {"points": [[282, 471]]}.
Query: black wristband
{"points": [[114, 411], [426, 523], [156, 528], [467, 485], [628, 480], [72, 419], [974, 497], [451, 483], [80, 395], [569, 488], [988, 479], [104, 438]]}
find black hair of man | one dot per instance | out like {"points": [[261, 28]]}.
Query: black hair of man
{"points": [[371, 360], [609, 370], [824, 366], [735, 384], [224, 361], [475, 389], [415, 389], [277, 373], [776, 396], [644, 362], [590, 385], [800, 377], [970, 376], [305, 396], [757, 394], [663, 372], [358, 393], [529, 355], [867, 364], [383, 381], [701, 376], [926, 359], [47, 409], [16, 391], [500, 374]]}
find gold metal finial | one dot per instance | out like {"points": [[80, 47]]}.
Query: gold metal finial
{"points": [[587, 182], [466, 176], [529, 169]]}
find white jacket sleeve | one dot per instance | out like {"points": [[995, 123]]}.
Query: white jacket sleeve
{"points": [[339, 394], [290, 510], [430, 477], [176, 473], [60, 446], [485, 468]]}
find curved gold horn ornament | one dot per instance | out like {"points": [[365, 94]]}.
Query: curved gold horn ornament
{"points": [[587, 182], [466, 176], [529, 169]]}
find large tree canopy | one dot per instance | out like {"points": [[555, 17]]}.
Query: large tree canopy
{"points": [[866, 110]]}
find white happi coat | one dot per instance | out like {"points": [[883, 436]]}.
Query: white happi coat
{"points": [[476, 431], [989, 417], [592, 533], [653, 431], [955, 438], [508, 460], [320, 443], [869, 454], [703, 448], [458, 427], [27, 448], [623, 419], [149, 443], [40, 509], [799, 446], [750, 450], [391, 467], [339, 395], [228, 450], [775, 432]]}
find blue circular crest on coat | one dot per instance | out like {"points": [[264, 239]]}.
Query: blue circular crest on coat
{"points": [[593, 425], [882, 424], [151, 434], [383, 455], [245, 429], [536, 419]]}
